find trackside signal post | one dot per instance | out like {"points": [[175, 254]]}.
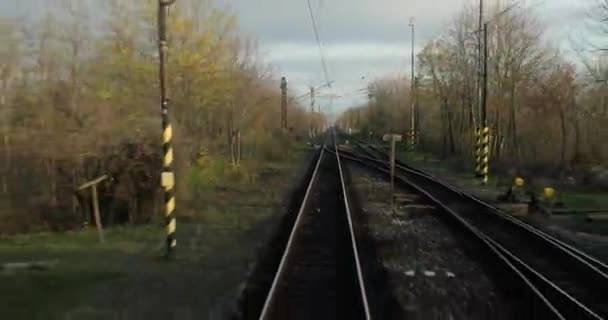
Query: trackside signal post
{"points": [[393, 138], [167, 176]]}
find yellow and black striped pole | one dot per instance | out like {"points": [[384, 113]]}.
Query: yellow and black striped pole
{"points": [[477, 153], [485, 154], [485, 131], [167, 177], [412, 140]]}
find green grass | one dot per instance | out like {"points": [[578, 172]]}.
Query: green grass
{"points": [[46, 295], [82, 262], [46, 245], [572, 198], [224, 213], [591, 200]]}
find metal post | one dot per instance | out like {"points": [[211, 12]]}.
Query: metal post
{"points": [[479, 64], [167, 177], [485, 139], [413, 130], [284, 104], [479, 126]]}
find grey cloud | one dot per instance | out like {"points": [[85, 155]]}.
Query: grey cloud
{"points": [[342, 20]]}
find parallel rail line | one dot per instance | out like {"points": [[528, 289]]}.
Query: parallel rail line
{"points": [[569, 283], [321, 252], [595, 264]]}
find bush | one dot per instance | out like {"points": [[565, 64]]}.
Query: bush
{"points": [[266, 146]]}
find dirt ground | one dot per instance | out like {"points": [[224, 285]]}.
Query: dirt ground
{"points": [[432, 277]]}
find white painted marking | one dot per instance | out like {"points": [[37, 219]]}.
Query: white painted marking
{"points": [[410, 273], [429, 273]]}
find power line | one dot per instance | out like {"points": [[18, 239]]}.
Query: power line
{"points": [[318, 39]]}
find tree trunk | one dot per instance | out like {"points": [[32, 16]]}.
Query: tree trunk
{"points": [[562, 122], [6, 138], [233, 148], [51, 170], [497, 135], [472, 128], [238, 148], [463, 116], [7, 159], [577, 132], [513, 125], [451, 145], [443, 129]]}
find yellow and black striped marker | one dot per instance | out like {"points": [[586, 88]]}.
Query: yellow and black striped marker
{"points": [[412, 140], [168, 178], [485, 154], [477, 153]]}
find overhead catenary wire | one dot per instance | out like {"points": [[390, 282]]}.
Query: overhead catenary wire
{"points": [[322, 53], [319, 43]]}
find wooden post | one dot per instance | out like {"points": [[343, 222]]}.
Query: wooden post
{"points": [[393, 138], [95, 201], [97, 216]]}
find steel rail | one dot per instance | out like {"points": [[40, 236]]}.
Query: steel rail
{"points": [[352, 234], [284, 263], [594, 264], [538, 283], [281, 269]]}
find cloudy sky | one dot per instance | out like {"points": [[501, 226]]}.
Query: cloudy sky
{"points": [[366, 38], [361, 38]]}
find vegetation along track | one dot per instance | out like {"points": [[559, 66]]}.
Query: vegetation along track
{"points": [[319, 276], [569, 283]]}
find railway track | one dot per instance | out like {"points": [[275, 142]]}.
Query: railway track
{"points": [[379, 155], [564, 282], [319, 275]]}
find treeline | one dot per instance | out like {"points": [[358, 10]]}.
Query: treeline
{"points": [[79, 98], [546, 109]]}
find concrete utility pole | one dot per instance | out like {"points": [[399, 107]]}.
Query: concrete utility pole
{"points": [[167, 176], [413, 130], [485, 131], [284, 104], [479, 61], [479, 95]]}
